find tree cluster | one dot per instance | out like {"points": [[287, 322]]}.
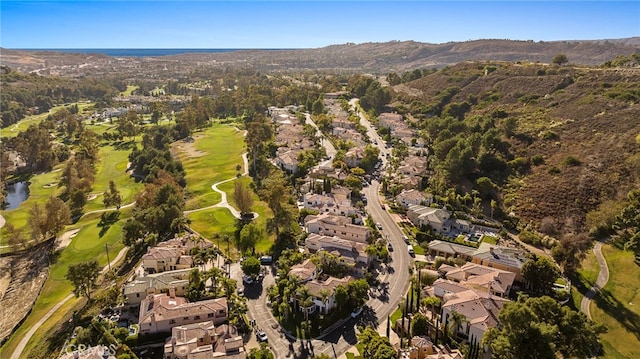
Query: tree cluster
{"points": [[155, 156], [374, 345], [542, 328], [24, 95]]}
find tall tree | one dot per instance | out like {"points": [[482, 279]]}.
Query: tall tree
{"points": [[249, 236], [540, 273], [251, 266], [242, 197], [541, 328], [112, 196], [83, 277]]}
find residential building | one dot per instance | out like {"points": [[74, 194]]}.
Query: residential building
{"points": [[335, 95], [409, 182], [305, 271], [413, 196], [138, 289], [508, 259], [349, 251], [421, 347], [438, 248], [341, 227], [442, 287], [204, 340], [482, 278], [329, 203], [391, 120], [436, 218], [159, 313], [353, 157], [480, 309], [327, 286], [173, 254], [288, 161]]}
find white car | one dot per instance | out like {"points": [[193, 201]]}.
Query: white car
{"points": [[262, 336], [247, 280], [379, 225], [356, 312]]}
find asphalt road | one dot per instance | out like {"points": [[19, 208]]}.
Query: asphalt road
{"points": [[601, 281], [383, 299]]}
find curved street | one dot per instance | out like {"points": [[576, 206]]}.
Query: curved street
{"points": [[394, 282], [603, 278]]}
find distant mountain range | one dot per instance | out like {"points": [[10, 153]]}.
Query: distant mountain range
{"points": [[379, 57]]}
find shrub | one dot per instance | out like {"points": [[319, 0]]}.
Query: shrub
{"points": [[572, 161], [554, 170], [537, 160], [550, 135]]}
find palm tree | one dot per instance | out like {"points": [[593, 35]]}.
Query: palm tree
{"points": [[324, 297], [456, 321], [431, 303], [214, 274]]}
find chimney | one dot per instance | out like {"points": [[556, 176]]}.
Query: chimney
{"points": [[172, 292]]}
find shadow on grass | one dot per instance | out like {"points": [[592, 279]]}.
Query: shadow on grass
{"points": [[616, 309], [107, 219]]}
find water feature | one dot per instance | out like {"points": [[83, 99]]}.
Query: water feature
{"points": [[16, 193]]}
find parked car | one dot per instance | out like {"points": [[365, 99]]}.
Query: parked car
{"points": [[241, 292], [410, 250], [262, 336], [379, 225], [356, 312], [389, 246], [405, 239], [247, 280]]}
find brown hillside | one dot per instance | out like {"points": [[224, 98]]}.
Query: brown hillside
{"points": [[378, 57], [588, 114]]}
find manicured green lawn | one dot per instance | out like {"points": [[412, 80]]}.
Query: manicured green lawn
{"points": [[259, 207], [617, 306], [86, 245], [220, 148], [112, 166], [41, 187], [397, 314], [587, 276]]}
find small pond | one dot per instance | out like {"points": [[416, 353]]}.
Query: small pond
{"points": [[16, 193]]}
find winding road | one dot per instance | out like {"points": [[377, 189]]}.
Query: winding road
{"points": [[603, 278]]}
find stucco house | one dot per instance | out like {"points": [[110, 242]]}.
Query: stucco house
{"points": [[337, 226], [413, 196], [204, 340], [173, 254], [480, 309], [350, 251], [139, 288], [353, 157], [508, 259], [159, 313], [437, 218]]}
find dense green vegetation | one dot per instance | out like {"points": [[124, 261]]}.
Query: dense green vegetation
{"points": [[23, 95]]}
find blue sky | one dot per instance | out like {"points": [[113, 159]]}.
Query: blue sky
{"points": [[304, 24]]}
